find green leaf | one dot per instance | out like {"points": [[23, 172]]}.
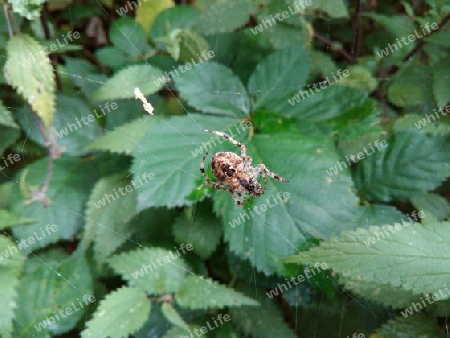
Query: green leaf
{"points": [[6, 118], [418, 253], [82, 66], [53, 283], [418, 325], [283, 36], [412, 85], [213, 88], [69, 189], [224, 15], [176, 161], [156, 323], [147, 12], [70, 46], [178, 332], [29, 70], [329, 103], [129, 38], [414, 122], [31, 9], [8, 136], [322, 65], [179, 17], [263, 321], [171, 44], [312, 203], [359, 78], [334, 8], [107, 222], [434, 204], [11, 267], [204, 233], [147, 78], [358, 128], [441, 87], [283, 71], [374, 214], [439, 38], [172, 316], [112, 57], [120, 314], [124, 139], [405, 168], [5, 194], [238, 51], [383, 294], [397, 25], [192, 45], [70, 110], [199, 293], [8, 220], [153, 270], [226, 331], [285, 32], [74, 123]]}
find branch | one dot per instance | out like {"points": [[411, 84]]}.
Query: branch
{"points": [[333, 45], [7, 12], [54, 152], [421, 43], [357, 39]]}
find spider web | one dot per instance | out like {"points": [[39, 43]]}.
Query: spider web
{"points": [[252, 285]]}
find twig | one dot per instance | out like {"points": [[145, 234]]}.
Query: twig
{"points": [[357, 39], [7, 11], [421, 43], [333, 45], [43, 19], [391, 71], [53, 58], [54, 151]]}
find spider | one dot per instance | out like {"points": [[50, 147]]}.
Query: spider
{"points": [[235, 174]]}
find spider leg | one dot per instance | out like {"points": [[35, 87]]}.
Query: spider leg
{"points": [[262, 169], [263, 174], [247, 161], [233, 141], [217, 186], [202, 167], [236, 199], [202, 170], [233, 194], [241, 203], [206, 179], [214, 185]]}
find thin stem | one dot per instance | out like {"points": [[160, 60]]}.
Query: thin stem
{"points": [[421, 43], [43, 19], [7, 11], [333, 45], [358, 29], [40, 195], [47, 35]]}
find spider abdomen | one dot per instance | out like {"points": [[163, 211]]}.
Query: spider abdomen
{"points": [[235, 173], [225, 165], [228, 169]]}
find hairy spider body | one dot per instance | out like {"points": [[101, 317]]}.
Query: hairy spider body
{"points": [[235, 174], [228, 167]]}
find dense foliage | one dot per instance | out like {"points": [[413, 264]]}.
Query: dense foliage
{"points": [[104, 230]]}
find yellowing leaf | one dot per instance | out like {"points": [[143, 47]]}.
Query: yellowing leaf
{"points": [[147, 12], [29, 71]]}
